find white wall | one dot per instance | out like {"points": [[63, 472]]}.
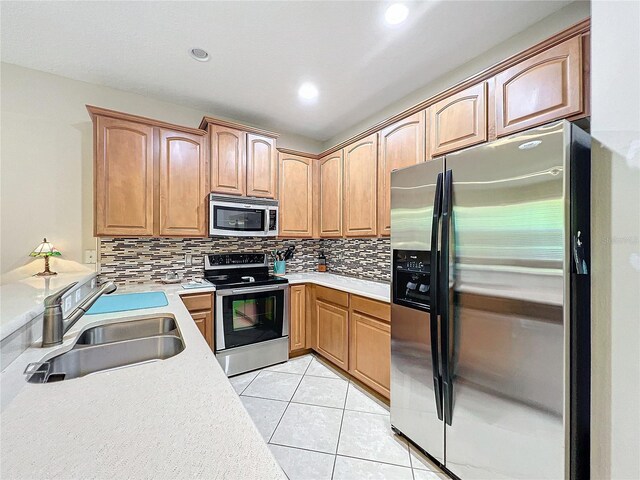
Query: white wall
{"points": [[616, 239], [46, 161], [545, 28]]}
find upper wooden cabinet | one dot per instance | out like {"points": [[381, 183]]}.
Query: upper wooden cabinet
{"points": [[228, 160], [124, 164], [183, 184], [543, 88], [243, 159], [360, 187], [150, 177], [296, 195], [401, 145], [330, 193], [262, 166], [458, 121]]}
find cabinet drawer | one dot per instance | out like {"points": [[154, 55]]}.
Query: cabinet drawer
{"points": [[199, 301], [373, 308], [332, 296]]}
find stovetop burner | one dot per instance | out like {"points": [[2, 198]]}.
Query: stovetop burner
{"points": [[238, 270]]}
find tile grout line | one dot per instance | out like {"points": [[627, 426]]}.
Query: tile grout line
{"points": [[346, 456], [252, 380], [375, 461], [288, 404], [335, 459]]}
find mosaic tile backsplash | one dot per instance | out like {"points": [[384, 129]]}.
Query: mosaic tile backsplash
{"points": [[140, 260]]}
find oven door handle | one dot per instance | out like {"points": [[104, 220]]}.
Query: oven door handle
{"points": [[240, 291]]}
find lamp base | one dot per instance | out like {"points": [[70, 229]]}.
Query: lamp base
{"points": [[45, 274]]}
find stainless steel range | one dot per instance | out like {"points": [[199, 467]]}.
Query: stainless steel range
{"points": [[251, 312]]}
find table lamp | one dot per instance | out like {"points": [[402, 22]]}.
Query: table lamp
{"points": [[46, 250]]}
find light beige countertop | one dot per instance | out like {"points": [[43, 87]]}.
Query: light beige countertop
{"points": [[366, 288], [22, 301], [176, 418]]}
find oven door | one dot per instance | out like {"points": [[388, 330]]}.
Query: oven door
{"points": [[232, 219], [251, 315]]}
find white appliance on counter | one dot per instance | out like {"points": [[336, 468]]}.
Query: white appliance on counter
{"points": [[231, 216]]}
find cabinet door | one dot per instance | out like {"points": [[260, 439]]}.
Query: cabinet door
{"points": [[204, 322], [330, 185], [228, 160], [543, 88], [332, 333], [360, 187], [296, 196], [123, 178], [262, 165], [401, 145], [183, 184], [458, 121], [298, 318], [370, 351]]}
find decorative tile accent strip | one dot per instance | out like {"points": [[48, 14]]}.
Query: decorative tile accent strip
{"points": [[142, 260], [368, 258]]}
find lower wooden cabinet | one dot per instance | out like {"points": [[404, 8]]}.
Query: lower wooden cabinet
{"points": [[370, 343], [333, 333], [297, 318], [350, 331], [200, 306]]}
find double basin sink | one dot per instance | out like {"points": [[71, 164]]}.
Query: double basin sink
{"points": [[110, 346]]}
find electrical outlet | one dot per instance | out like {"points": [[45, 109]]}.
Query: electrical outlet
{"points": [[93, 283], [89, 256], [67, 303], [188, 259], [78, 295]]}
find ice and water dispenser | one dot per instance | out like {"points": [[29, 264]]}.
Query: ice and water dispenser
{"points": [[412, 278]]}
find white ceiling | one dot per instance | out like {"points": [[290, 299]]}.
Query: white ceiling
{"points": [[261, 51]]}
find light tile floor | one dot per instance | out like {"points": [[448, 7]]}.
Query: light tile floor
{"points": [[321, 426]]}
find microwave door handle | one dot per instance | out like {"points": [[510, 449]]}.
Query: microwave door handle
{"points": [[266, 220]]}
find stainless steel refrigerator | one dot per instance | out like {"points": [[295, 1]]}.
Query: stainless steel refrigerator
{"points": [[490, 314]]}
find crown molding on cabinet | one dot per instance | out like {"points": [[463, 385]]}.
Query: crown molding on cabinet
{"points": [[238, 126], [288, 151], [105, 112], [580, 28]]}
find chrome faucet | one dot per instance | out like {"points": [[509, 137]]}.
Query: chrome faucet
{"points": [[54, 325]]}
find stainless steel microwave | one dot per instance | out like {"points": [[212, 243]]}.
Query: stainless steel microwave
{"points": [[231, 216]]}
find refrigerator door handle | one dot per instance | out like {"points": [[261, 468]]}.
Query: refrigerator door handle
{"points": [[433, 312], [443, 288]]}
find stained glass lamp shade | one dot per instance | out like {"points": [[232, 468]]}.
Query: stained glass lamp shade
{"points": [[46, 250]]}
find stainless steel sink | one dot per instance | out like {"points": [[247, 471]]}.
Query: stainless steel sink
{"points": [[79, 362], [129, 330]]}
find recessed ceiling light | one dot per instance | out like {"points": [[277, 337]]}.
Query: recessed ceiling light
{"points": [[308, 91], [529, 145], [199, 54], [396, 13]]}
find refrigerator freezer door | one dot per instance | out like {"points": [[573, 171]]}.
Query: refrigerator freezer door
{"points": [[506, 307], [413, 398]]}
